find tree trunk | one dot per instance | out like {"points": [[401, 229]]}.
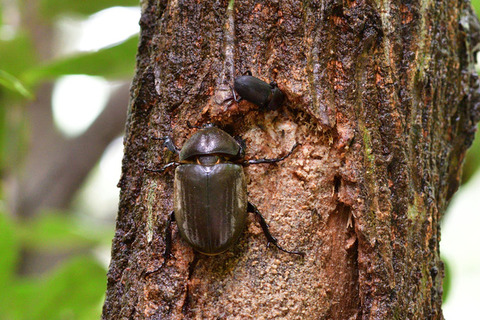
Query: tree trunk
{"points": [[383, 98]]}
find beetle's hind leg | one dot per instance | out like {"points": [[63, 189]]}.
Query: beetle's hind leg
{"points": [[168, 244], [168, 238], [266, 231]]}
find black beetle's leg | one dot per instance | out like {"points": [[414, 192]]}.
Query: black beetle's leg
{"points": [[248, 73], [270, 238], [273, 84], [168, 165], [257, 161], [168, 238], [168, 244]]}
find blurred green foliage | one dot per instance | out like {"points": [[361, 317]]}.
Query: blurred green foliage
{"points": [[447, 280], [75, 288], [113, 62], [51, 9], [22, 71]]}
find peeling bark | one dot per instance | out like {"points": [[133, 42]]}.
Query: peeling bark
{"points": [[383, 98]]}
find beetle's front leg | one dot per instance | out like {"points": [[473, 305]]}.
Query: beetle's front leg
{"points": [[257, 161], [270, 238]]}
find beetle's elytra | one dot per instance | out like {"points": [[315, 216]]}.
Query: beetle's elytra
{"points": [[258, 92], [210, 194]]}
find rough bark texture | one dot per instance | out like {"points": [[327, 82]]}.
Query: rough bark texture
{"points": [[382, 97]]}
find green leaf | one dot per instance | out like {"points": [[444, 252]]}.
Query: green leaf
{"points": [[447, 280], [60, 231], [20, 299], [9, 251], [52, 8], [74, 291], [12, 83], [476, 6], [17, 55], [113, 62]]}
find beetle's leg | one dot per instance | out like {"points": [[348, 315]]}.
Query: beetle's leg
{"points": [[248, 73], [270, 238], [168, 238], [257, 161], [168, 143], [168, 244], [168, 165], [273, 84]]}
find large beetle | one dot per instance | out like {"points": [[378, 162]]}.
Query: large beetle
{"points": [[258, 92], [210, 194]]}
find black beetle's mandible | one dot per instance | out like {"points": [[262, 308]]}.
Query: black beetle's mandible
{"points": [[210, 193], [258, 92]]}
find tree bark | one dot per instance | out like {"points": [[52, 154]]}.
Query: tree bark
{"points": [[383, 98]]}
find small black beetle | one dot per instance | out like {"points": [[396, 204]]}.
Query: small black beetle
{"points": [[259, 92], [210, 192]]}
